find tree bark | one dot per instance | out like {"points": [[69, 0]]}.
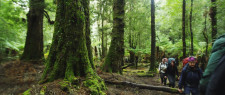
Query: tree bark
{"points": [[144, 86], [206, 34], [96, 52], [33, 49], [68, 57], [157, 54], [183, 28], [88, 32], [152, 66], [213, 19], [103, 32], [115, 55], [192, 47]]}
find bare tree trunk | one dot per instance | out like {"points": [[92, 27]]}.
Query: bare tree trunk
{"points": [[103, 35], [152, 65], [33, 49], [206, 34], [192, 47], [213, 20], [183, 28]]}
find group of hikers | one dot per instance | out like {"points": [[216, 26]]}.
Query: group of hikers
{"points": [[192, 78], [189, 78]]}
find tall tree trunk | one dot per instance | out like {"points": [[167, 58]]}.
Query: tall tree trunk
{"points": [[213, 19], [192, 47], [131, 41], [132, 54], [88, 32], [33, 49], [115, 55], [206, 34], [68, 57], [183, 28], [152, 66], [157, 54], [103, 45], [103, 34], [96, 51]]}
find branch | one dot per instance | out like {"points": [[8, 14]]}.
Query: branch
{"points": [[47, 16], [143, 86]]}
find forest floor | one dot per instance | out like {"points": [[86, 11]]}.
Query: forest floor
{"points": [[17, 77]]}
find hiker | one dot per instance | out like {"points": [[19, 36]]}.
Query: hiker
{"points": [[212, 82], [190, 77], [171, 72], [162, 71], [216, 86], [185, 64]]}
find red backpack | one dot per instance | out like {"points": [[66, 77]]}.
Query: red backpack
{"points": [[185, 61]]}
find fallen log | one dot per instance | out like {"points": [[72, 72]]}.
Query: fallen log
{"points": [[144, 86], [132, 64]]}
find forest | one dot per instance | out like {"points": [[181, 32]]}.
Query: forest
{"points": [[107, 47]]}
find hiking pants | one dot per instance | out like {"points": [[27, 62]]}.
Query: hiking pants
{"points": [[163, 80], [171, 80], [191, 90]]}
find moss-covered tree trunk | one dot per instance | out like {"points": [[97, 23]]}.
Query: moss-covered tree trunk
{"points": [[115, 55], [33, 49], [88, 32], [183, 28], [68, 57], [152, 65]]}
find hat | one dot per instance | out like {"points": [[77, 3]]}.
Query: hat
{"points": [[191, 59]]}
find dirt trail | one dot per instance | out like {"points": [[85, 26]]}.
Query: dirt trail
{"points": [[132, 77], [16, 77]]}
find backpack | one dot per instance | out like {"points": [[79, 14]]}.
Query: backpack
{"points": [[185, 61], [218, 50], [217, 84], [170, 60], [161, 64]]}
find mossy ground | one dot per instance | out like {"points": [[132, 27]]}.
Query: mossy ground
{"points": [[64, 87]]}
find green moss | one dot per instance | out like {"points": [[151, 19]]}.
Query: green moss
{"points": [[95, 85], [46, 55], [27, 92], [141, 71], [42, 92], [174, 89], [145, 74]]}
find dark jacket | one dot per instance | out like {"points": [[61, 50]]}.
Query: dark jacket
{"points": [[172, 70], [190, 77], [217, 84]]}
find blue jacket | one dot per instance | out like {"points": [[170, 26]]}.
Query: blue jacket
{"points": [[190, 77]]}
